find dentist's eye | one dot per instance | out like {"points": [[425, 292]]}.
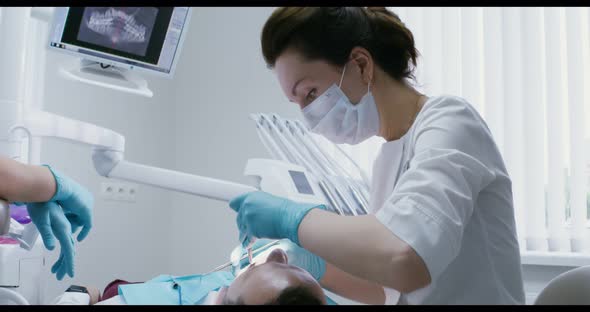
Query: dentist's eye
{"points": [[311, 95]]}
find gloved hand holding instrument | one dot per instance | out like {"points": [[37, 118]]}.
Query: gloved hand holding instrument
{"points": [[263, 215]]}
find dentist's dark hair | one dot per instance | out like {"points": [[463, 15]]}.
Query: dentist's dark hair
{"points": [[330, 33]]}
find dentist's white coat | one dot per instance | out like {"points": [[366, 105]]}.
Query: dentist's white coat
{"points": [[444, 190]]}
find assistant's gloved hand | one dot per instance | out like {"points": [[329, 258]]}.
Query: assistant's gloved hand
{"points": [[296, 256], [50, 220], [263, 215], [69, 209], [76, 202]]}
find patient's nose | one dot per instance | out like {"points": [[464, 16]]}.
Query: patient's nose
{"points": [[277, 255]]}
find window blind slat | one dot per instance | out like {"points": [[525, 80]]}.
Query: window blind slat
{"points": [[472, 52], [577, 194], [558, 239], [513, 98], [401, 13], [432, 56], [586, 86], [533, 124], [451, 50], [415, 22], [493, 72]]}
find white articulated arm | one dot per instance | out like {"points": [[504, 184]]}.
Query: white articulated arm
{"points": [[111, 164], [108, 158], [38, 123], [109, 147]]}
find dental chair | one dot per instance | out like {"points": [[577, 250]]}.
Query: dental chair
{"points": [[569, 288], [20, 269]]}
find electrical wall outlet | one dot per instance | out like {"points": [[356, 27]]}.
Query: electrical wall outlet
{"points": [[118, 191]]}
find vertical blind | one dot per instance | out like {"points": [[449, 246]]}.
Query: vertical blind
{"points": [[527, 72]]}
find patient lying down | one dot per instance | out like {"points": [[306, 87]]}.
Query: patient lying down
{"points": [[271, 281]]}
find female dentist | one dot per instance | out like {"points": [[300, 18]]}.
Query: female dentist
{"points": [[441, 227]]}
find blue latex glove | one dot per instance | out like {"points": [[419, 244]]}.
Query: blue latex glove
{"points": [[76, 202], [296, 255], [264, 215], [52, 223], [69, 209]]}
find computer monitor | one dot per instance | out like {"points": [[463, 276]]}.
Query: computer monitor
{"points": [[139, 38]]}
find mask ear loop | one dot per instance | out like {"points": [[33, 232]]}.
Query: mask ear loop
{"points": [[342, 77]]}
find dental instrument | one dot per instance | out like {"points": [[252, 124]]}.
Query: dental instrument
{"points": [[234, 259], [237, 252], [296, 157], [358, 188], [344, 193], [329, 172]]}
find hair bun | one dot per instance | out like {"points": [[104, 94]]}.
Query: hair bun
{"points": [[382, 10], [376, 9]]}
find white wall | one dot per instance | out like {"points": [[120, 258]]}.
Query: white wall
{"points": [[128, 240], [221, 79]]}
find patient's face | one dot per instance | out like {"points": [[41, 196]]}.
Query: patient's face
{"points": [[263, 282]]}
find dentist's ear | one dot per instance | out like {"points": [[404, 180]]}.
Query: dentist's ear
{"points": [[364, 62]]}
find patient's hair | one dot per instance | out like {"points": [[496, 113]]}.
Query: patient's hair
{"points": [[294, 295]]}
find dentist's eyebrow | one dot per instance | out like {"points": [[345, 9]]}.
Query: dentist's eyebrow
{"points": [[295, 86]]}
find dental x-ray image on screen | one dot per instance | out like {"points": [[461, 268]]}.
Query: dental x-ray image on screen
{"points": [[124, 29]]}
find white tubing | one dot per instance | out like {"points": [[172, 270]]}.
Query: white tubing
{"points": [[274, 149]]}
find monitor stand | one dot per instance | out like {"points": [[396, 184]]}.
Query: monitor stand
{"points": [[110, 77]]}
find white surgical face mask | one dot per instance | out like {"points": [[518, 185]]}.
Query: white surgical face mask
{"points": [[336, 118]]}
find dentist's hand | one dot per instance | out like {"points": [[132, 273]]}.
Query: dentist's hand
{"points": [[76, 202], [263, 215], [50, 220], [296, 256]]}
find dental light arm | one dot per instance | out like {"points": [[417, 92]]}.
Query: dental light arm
{"points": [[38, 123], [111, 164], [108, 159]]}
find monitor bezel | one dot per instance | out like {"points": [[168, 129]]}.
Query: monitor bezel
{"points": [[120, 64]]}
